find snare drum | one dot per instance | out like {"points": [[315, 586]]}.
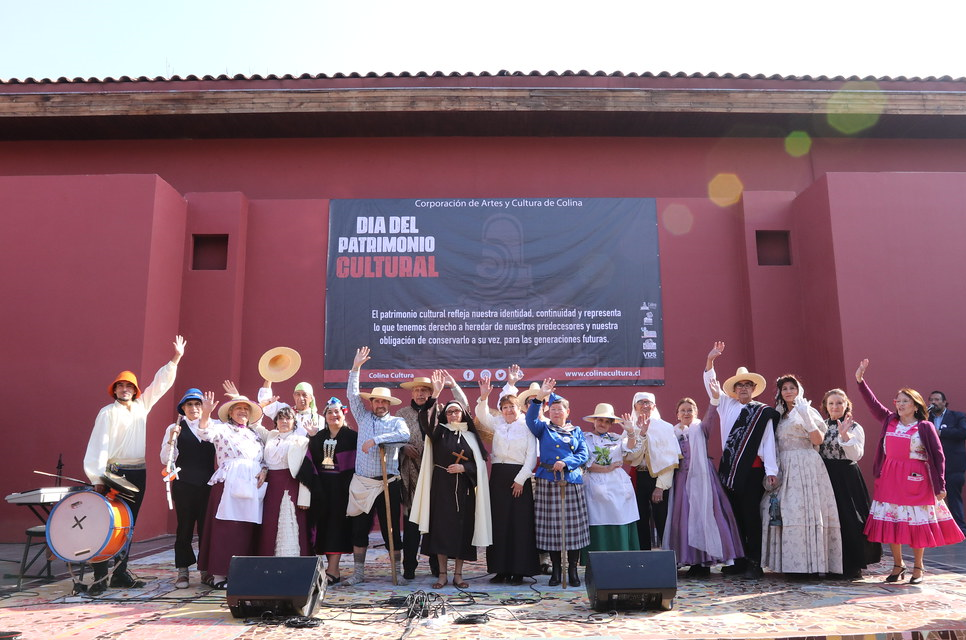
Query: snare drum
{"points": [[86, 526]]}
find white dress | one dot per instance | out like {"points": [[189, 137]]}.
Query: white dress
{"points": [[610, 495]]}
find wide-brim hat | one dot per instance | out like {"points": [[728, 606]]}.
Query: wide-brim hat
{"points": [[743, 374], [224, 411], [524, 398], [417, 382], [381, 393], [190, 394], [603, 410], [125, 376], [279, 364]]}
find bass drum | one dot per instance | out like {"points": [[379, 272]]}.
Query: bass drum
{"points": [[88, 527]]}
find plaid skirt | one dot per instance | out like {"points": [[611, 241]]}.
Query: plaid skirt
{"points": [[547, 510]]}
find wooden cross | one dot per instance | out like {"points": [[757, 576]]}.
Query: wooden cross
{"points": [[459, 456]]}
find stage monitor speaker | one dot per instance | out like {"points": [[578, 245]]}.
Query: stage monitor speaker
{"points": [[288, 586], [631, 579]]}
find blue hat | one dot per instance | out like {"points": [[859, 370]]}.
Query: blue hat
{"points": [[190, 394]]}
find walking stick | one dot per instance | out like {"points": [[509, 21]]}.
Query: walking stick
{"points": [[385, 496], [170, 471], [564, 560]]}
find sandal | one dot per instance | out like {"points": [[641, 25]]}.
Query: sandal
{"points": [[439, 584], [896, 577], [458, 581], [331, 579], [913, 579], [209, 580]]}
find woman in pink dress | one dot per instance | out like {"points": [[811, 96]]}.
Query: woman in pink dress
{"points": [[907, 504]]}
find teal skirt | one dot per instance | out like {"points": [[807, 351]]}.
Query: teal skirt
{"points": [[612, 537]]}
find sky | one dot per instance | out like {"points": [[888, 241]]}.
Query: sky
{"points": [[113, 38]]}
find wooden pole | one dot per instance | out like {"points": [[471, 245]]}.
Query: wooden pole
{"points": [[389, 523]]}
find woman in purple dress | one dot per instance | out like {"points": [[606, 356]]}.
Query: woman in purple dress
{"points": [[701, 526]]}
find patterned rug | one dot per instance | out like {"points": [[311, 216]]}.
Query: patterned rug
{"points": [[715, 607]]}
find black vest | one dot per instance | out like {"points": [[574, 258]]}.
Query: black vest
{"points": [[196, 458]]}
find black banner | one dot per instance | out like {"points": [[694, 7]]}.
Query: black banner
{"points": [[568, 288]]}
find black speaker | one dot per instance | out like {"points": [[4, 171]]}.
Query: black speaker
{"points": [[631, 579], [289, 586]]}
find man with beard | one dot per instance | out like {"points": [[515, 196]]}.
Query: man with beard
{"points": [[409, 463], [748, 456], [378, 431], [117, 446]]}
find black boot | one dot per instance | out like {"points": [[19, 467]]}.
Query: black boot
{"points": [[555, 569], [99, 586], [123, 579], [573, 557]]}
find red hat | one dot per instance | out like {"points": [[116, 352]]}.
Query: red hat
{"points": [[125, 376]]}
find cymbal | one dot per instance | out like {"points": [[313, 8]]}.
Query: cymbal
{"points": [[119, 483]]}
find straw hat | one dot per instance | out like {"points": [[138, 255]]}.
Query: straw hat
{"points": [[255, 411], [743, 374], [125, 376], [381, 393], [524, 398], [278, 364], [603, 410], [417, 382]]}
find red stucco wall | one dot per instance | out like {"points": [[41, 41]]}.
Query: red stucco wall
{"points": [[99, 278]]}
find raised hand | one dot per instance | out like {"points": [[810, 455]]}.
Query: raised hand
{"points": [[716, 350], [860, 372], [547, 388], [439, 382], [485, 388], [643, 422], [627, 422], [208, 404], [179, 345], [514, 374], [362, 356], [844, 427], [715, 388], [448, 378], [230, 389]]}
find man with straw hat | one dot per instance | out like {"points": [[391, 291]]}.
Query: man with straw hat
{"points": [[421, 389], [748, 458], [373, 479], [117, 445]]}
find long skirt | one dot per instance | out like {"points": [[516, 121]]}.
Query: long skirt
{"points": [[333, 528], [678, 536], [611, 537], [547, 506], [852, 500], [452, 516], [223, 539], [284, 531], [514, 548], [805, 537]]}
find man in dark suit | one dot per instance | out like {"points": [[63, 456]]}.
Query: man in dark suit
{"points": [[952, 433]]}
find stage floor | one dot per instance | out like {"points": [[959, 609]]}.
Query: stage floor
{"points": [[716, 607]]}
